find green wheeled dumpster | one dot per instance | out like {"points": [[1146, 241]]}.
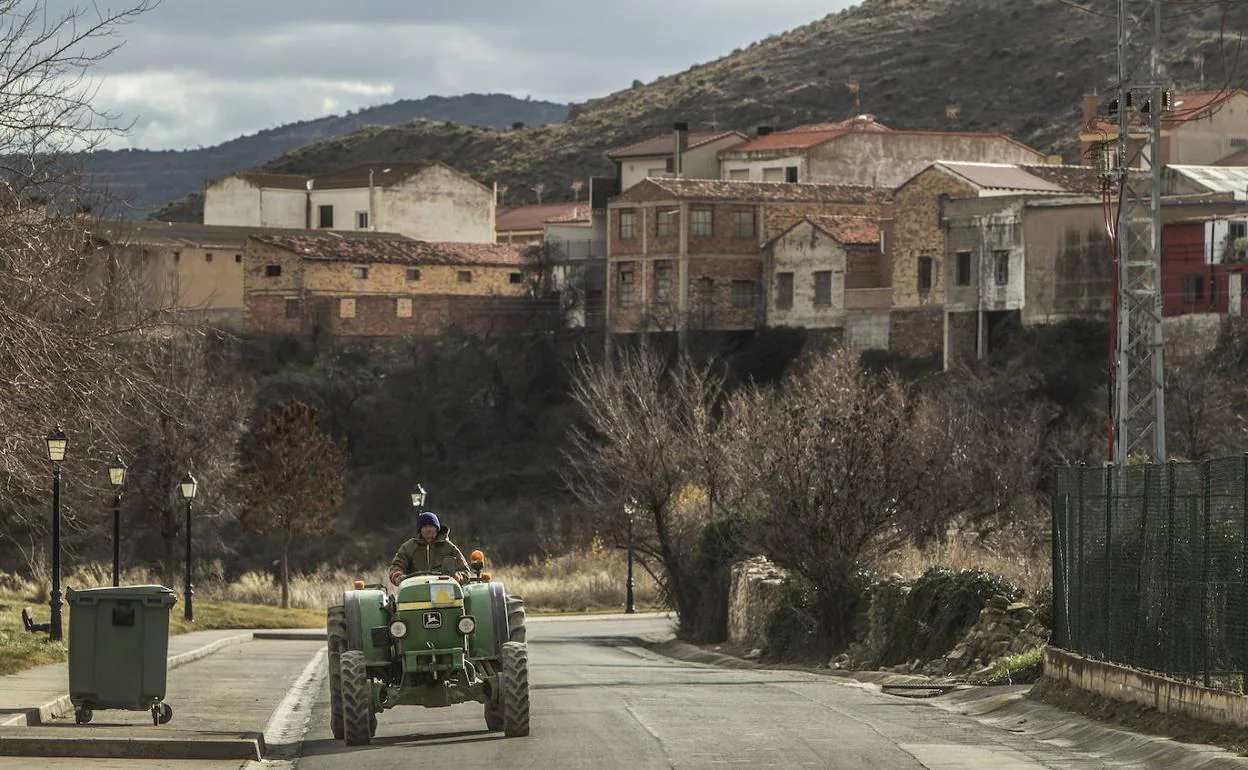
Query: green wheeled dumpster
{"points": [[118, 650]]}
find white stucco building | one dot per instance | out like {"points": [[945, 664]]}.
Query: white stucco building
{"points": [[657, 157], [428, 201]]}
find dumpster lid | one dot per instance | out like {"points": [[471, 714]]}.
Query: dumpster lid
{"points": [[132, 593]]}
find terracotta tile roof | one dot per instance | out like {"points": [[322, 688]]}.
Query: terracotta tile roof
{"points": [[395, 250], [192, 235], [532, 217], [661, 146], [1083, 180], [1234, 159], [1000, 176], [580, 212], [656, 188], [805, 137], [849, 230], [787, 140]]}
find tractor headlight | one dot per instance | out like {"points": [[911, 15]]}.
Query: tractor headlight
{"points": [[398, 629], [467, 624]]}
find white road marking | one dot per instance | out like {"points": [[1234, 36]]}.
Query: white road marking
{"points": [[289, 722], [936, 756]]}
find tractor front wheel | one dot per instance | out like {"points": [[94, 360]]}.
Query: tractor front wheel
{"points": [[515, 678], [357, 700], [336, 628], [515, 619]]}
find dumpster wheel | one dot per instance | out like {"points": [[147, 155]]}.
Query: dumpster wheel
{"points": [[161, 714], [82, 715]]}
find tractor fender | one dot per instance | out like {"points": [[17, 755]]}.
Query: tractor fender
{"points": [[364, 610]]}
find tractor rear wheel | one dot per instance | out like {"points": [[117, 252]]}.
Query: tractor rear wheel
{"points": [[336, 632], [515, 619], [515, 677], [357, 700]]}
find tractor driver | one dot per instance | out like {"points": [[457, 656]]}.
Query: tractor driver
{"points": [[430, 551]]}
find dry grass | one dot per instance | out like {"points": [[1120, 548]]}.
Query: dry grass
{"points": [[1027, 569]]}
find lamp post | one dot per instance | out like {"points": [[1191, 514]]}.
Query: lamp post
{"points": [[629, 607], [57, 442], [117, 477], [187, 490], [418, 498]]}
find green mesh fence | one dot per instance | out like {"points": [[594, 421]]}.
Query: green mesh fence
{"points": [[1149, 567]]}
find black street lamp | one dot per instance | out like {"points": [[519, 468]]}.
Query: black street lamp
{"points": [[57, 442], [117, 477], [630, 508], [418, 498], [187, 490]]}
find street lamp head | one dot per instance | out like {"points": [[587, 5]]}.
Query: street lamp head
{"points": [[117, 472], [188, 487], [418, 497], [57, 441]]}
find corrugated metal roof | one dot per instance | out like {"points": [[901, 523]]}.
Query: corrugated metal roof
{"points": [[1000, 176], [1217, 179]]}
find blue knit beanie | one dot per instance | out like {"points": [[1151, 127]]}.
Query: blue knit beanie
{"points": [[428, 517]]}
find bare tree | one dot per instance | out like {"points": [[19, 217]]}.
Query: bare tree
{"points": [[577, 185], [841, 465], [634, 445], [538, 189], [502, 194], [1202, 420], [290, 479]]}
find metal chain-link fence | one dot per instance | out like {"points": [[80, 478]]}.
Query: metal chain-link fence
{"points": [[1149, 567]]}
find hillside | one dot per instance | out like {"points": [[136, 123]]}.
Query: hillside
{"points": [[1019, 68], [150, 178]]}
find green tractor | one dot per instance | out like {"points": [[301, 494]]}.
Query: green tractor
{"points": [[435, 643]]}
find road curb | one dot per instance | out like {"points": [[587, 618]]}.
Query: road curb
{"points": [[62, 707], [293, 635], [247, 746]]}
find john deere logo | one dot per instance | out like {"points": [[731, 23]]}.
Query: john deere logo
{"points": [[433, 620]]}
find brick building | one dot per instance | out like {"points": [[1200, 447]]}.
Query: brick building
{"points": [[686, 253], [381, 285]]}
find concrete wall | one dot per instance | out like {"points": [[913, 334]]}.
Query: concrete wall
{"points": [[1208, 140], [802, 252], [888, 159], [757, 167], [236, 201], [983, 227], [702, 162], [1068, 271], [635, 170], [438, 204], [346, 204], [1167, 696], [867, 330]]}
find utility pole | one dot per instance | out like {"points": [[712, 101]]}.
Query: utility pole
{"points": [[1139, 373]]}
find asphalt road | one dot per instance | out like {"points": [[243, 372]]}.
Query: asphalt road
{"points": [[599, 703]]}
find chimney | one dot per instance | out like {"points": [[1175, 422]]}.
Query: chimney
{"points": [[1090, 104], [765, 130], [681, 142]]}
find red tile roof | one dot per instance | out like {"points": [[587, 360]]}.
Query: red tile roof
{"points": [[805, 137], [532, 217], [392, 250], [1234, 159], [849, 230], [1084, 180], [657, 188], [580, 212], [661, 146]]}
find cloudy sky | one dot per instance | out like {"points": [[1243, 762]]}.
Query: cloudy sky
{"points": [[198, 72]]}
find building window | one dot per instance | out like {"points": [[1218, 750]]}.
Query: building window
{"points": [[1001, 267], [272, 271], [359, 272], [743, 294], [658, 172], [413, 274], [1238, 229], [403, 307], [208, 257], [326, 216], [464, 276], [823, 288], [346, 308], [701, 223], [743, 224], [628, 225], [1193, 287], [361, 220], [706, 291], [790, 174], [627, 284], [515, 277], [784, 291], [925, 275], [292, 308], [739, 175], [665, 223], [238, 259], [775, 174], [662, 283], [963, 266]]}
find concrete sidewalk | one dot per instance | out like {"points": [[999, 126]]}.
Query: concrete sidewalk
{"points": [[222, 706]]}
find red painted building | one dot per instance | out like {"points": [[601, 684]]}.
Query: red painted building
{"points": [[1204, 266]]}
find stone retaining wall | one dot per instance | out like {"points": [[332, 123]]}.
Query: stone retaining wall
{"points": [[753, 595]]}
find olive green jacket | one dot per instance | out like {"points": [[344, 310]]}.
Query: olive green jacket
{"points": [[441, 555]]}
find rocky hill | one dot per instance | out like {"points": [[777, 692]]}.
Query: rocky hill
{"points": [[1019, 68], [150, 178]]}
